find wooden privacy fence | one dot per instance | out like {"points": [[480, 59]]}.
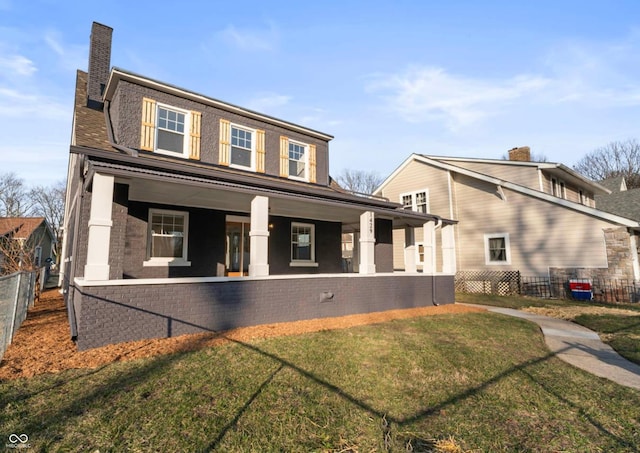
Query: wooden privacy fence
{"points": [[16, 296], [512, 282]]}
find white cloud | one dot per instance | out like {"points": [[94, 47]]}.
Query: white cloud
{"points": [[16, 65], [268, 102], [252, 39], [430, 93]]}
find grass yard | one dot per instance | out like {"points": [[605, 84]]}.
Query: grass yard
{"points": [[484, 380], [617, 324]]}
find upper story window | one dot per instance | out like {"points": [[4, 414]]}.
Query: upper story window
{"points": [[242, 147], [171, 135], [416, 201], [298, 161], [170, 130], [558, 188]]}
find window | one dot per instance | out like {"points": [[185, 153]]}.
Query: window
{"points": [[419, 253], [416, 201], [302, 244], [558, 188], [496, 248], [298, 158], [242, 147], [168, 232], [171, 137]]}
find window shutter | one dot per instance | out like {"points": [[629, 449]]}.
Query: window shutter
{"points": [[225, 142], [148, 129], [194, 136], [312, 163], [260, 151], [284, 156]]}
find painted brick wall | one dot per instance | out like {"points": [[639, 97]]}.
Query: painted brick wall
{"points": [[112, 314], [128, 117]]}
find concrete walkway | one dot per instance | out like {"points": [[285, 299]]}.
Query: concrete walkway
{"points": [[579, 346]]}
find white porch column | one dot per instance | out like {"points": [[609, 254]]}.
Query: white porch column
{"points": [[410, 250], [448, 249], [259, 234], [429, 266], [367, 243], [97, 267]]}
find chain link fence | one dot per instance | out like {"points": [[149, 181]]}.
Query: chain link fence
{"points": [[513, 283], [16, 296]]}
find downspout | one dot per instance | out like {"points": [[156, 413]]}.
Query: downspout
{"points": [[433, 274]]}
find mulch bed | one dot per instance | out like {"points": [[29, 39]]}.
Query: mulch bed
{"points": [[43, 343]]}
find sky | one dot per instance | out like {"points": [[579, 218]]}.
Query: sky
{"points": [[386, 79]]}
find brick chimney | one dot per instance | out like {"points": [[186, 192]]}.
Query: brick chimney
{"points": [[521, 154], [99, 63]]}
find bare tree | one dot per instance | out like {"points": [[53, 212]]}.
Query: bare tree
{"points": [[14, 197], [359, 180], [49, 203], [619, 158]]}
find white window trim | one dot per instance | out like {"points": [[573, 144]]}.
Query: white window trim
{"points": [[252, 167], [413, 195], [558, 185], [487, 253], [418, 261], [306, 160], [166, 261], [304, 263], [187, 128]]}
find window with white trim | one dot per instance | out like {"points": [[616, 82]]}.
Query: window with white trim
{"points": [[420, 253], [558, 188], [416, 201], [298, 161], [170, 132], [497, 248], [168, 232], [302, 243], [242, 147]]}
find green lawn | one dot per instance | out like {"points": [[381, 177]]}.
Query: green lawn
{"points": [[483, 379], [620, 331]]}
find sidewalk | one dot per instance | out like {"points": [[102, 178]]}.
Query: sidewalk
{"points": [[579, 346]]}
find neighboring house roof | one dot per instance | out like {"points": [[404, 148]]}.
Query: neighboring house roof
{"points": [[616, 184], [553, 168], [501, 183], [21, 227], [625, 203]]}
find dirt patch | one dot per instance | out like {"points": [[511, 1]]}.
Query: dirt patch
{"points": [[43, 344], [572, 312]]}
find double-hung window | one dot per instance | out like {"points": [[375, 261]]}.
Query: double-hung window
{"points": [[298, 160], [497, 248], [242, 147], [416, 201], [303, 244], [170, 135], [168, 231]]}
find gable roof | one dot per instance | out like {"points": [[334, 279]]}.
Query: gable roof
{"points": [[555, 168], [438, 162], [21, 227], [615, 184]]}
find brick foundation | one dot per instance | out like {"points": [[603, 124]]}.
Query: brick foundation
{"points": [[112, 314]]}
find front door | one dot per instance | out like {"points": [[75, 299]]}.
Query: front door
{"points": [[237, 246]]}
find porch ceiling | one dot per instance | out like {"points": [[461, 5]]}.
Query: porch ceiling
{"points": [[163, 192]]}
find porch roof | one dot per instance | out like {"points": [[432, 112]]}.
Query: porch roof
{"points": [[183, 185]]}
